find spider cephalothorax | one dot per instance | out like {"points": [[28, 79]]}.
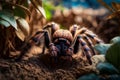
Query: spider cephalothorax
{"points": [[65, 43]]}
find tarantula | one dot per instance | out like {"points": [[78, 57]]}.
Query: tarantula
{"points": [[65, 43]]}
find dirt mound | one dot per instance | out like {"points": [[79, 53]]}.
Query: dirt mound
{"points": [[40, 68]]}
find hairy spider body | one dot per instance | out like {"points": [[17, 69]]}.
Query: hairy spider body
{"points": [[62, 40], [63, 34], [65, 43]]}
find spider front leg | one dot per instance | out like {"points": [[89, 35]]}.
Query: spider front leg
{"points": [[53, 50], [47, 43], [35, 40]]}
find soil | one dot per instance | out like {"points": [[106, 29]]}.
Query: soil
{"points": [[37, 66]]}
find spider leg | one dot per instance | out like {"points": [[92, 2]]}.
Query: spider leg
{"points": [[93, 37], [47, 41], [34, 41], [75, 42], [53, 27], [90, 43], [53, 50], [86, 39], [48, 44], [86, 49], [89, 34]]}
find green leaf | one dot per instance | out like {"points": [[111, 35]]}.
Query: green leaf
{"points": [[9, 17], [91, 76], [42, 11], [38, 5], [20, 34], [19, 8], [48, 13], [4, 23], [115, 39], [23, 8], [102, 48], [114, 77], [113, 55], [23, 28], [19, 12], [48, 10], [107, 68]]}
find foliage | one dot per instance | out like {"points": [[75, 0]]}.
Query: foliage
{"points": [[115, 9], [91, 76], [14, 16], [7, 16], [50, 8], [113, 55], [107, 68], [94, 76], [23, 29], [115, 39], [112, 50], [102, 48], [38, 5], [18, 9]]}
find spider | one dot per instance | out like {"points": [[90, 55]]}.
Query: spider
{"points": [[65, 43]]}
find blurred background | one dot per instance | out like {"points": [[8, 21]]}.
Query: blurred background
{"points": [[88, 13], [80, 3]]}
